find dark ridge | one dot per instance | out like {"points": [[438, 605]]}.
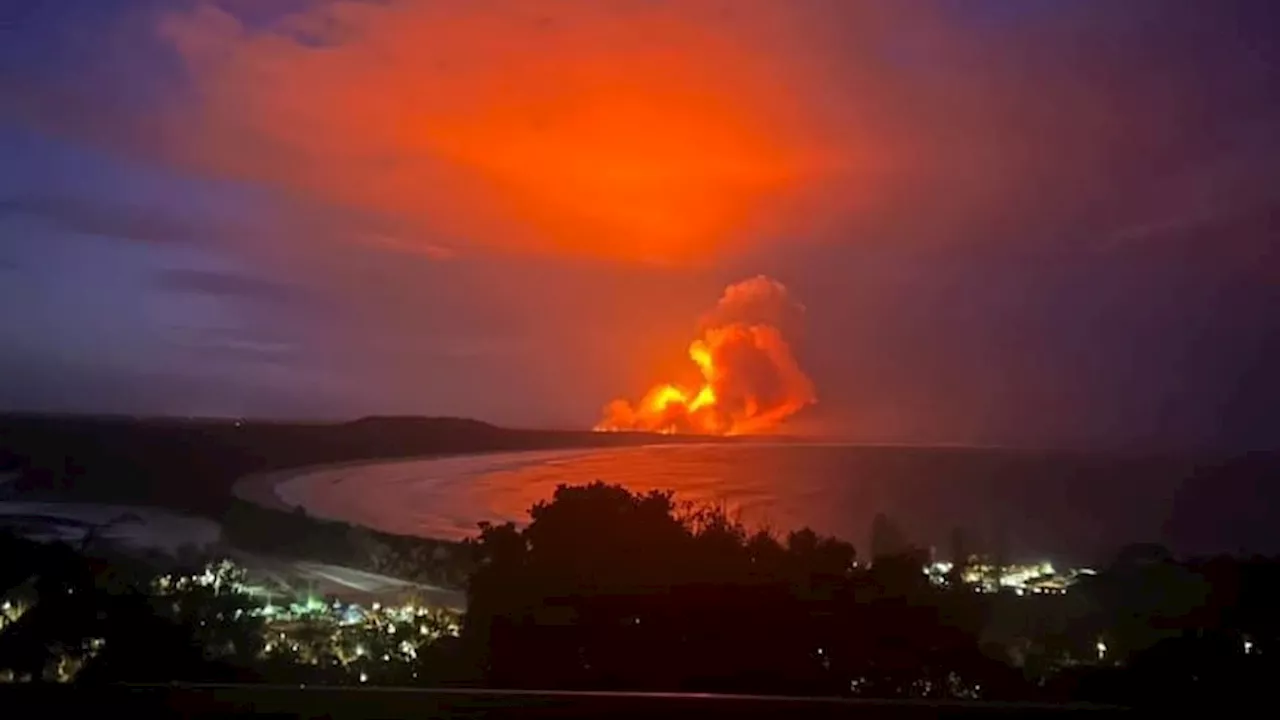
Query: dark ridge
{"points": [[190, 464], [422, 423]]}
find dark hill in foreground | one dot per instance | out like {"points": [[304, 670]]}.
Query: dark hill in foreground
{"points": [[190, 464]]}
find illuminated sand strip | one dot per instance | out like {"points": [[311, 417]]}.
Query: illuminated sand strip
{"points": [[446, 497], [291, 578], [1064, 507], [324, 491]]}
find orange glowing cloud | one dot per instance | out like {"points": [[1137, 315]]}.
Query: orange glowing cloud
{"points": [[630, 131], [750, 380]]}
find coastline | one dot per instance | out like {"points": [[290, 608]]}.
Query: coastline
{"points": [[268, 489], [259, 488]]}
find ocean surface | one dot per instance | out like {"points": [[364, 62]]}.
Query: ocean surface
{"points": [[1069, 507]]}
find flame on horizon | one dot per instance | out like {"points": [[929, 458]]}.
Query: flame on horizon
{"points": [[750, 380]]}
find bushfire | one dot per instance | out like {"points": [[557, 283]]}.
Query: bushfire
{"points": [[750, 382]]}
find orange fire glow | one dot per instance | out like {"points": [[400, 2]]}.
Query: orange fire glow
{"points": [[750, 380], [641, 134]]}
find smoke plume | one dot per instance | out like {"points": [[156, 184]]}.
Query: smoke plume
{"points": [[751, 382]]}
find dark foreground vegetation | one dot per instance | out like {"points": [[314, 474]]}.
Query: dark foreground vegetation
{"points": [[605, 589], [601, 590], [608, 590]]}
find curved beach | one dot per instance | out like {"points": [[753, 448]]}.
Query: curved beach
{"points": [[432, 481], [1046, 504]]}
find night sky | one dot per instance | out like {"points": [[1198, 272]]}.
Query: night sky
{"points": [[1019, 222]]}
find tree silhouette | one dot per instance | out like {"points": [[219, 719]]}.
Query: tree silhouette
{"points": [[610, 589], [887, 539]]}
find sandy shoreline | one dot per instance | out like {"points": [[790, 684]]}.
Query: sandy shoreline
{"points": [[275, 489], [260, 488]]}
